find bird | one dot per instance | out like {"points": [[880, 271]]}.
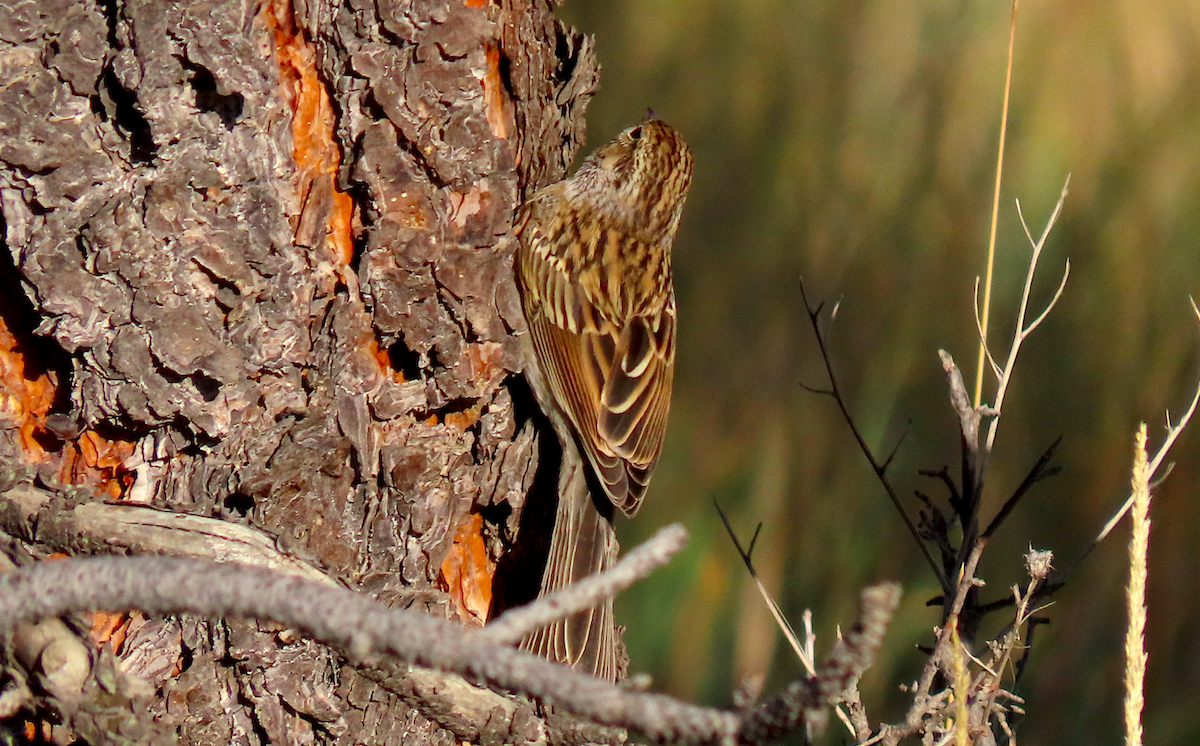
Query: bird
{"points": [[594, 274]]}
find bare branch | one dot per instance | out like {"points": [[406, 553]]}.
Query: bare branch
{"points": [[1041, 470], [1062, 284], [899, 442], [814, 390], [351, 622], [967, 580], [1172, 434], [968, 416], [801, 651], [1021, 332], [850, 657], [979, 330], [879, 469], [514, 624], [362, 627], [805, 651]]}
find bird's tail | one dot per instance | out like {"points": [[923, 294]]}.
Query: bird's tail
{"points": [[583, 543]]}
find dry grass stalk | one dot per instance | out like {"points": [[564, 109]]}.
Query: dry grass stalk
{"points": [[991, 254], [1135, 593]]}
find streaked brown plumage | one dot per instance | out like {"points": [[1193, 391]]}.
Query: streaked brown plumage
{"points": [[594, 269]]}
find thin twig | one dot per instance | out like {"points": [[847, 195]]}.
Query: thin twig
{"points": [[879, 469], [975, 455], [899, 442], [1041, 470], [514, 624], [805, 651], [850, 657], [1021, 332], [1173, 432], [967, 579], [983, 336], [806, 658]]}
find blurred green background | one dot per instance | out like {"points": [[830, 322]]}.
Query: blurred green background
{"points": [[854, 143]]}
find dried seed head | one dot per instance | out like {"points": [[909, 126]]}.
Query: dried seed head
{"points": [[1037, 563]]}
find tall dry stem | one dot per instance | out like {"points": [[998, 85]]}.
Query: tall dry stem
{"points": [[1135, 593]]}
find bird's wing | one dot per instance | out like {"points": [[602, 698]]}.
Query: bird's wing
{"points": [[613, 381]]}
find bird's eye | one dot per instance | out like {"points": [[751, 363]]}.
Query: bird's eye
{"points": [[635, 134]]}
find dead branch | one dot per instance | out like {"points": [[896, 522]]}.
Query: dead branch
{"points": [[880, 469], [365, 629], [514, 624]]}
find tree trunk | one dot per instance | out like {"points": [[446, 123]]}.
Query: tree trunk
{"points": [[266, 313]]}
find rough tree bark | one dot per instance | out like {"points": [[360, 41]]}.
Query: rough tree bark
{"points": [[258, 305]]}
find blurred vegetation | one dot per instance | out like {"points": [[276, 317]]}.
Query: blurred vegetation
{"points": [[853, 143]]}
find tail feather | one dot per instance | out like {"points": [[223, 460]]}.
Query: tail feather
{"points": [[583, 543]]}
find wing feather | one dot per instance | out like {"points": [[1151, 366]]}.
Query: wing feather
{"points": [[608, 368], [615, 387]]}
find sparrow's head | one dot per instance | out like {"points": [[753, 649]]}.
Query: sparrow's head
{"points": [[648, 170]]}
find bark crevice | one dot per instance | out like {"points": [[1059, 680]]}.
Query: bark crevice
{"points": [[269, 284]]}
